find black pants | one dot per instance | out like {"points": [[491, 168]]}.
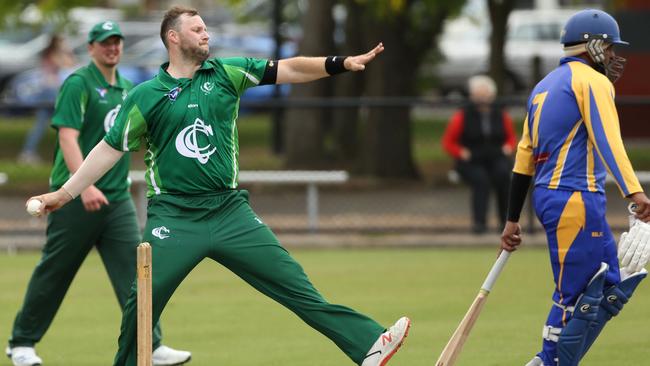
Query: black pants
{"points": [[480, 176]]}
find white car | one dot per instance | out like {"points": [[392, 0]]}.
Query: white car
{"points": [[533, 36], [18, 54]]}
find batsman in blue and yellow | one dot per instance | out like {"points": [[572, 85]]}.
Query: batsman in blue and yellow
{"points": [[571, 140]]}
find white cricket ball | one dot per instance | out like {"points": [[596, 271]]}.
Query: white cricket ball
{"points": [[33, 207]]}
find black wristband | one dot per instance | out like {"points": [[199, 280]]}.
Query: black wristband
{"points": [[518, 190], [270, 73], [334, 64]]}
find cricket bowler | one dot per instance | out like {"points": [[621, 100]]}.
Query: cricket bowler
{"points": [[187, 115]]}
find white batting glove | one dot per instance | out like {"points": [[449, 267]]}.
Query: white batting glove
{"points": [[634, 247]]}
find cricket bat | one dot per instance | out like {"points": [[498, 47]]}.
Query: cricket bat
{"points": [[457, 340]]}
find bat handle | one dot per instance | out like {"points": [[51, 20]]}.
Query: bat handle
{"points": [[632, 207], [495, 271]]}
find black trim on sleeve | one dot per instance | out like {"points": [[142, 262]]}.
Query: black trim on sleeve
{"points": [[518, 189], [270, 76], [334, 64]]}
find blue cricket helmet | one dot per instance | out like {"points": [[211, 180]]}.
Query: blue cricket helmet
{"points": [[588, 24]]}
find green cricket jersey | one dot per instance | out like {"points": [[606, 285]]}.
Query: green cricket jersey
{"points": [[189, 126], [87, 103]]}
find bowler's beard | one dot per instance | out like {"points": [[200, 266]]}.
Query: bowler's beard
{"points": [[194, 53]]}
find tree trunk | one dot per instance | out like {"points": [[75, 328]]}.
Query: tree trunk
{"points": [[387, 142], [346, 120], [304, 128], [387, 134], [499, 12]]}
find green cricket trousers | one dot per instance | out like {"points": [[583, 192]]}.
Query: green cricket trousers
{"points": [[183, 230], [71, 233]]}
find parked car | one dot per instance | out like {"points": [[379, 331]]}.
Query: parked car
{"points": [[20, 46], [19, 59], [533, 36], [19, 51]]}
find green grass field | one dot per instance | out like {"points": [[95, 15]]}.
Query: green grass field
{"points": [[225, 322]]}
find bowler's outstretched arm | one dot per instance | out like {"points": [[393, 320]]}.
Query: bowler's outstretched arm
{"points": [[304, 69]]}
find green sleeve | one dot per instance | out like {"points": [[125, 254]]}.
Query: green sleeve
{"points": [[129, 128], [70, 106], [244, 72]]}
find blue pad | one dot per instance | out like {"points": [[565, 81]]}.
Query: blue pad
{"points": [[572, 339], [615, 297]]}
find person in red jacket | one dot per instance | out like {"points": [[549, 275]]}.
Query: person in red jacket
{"points": [[481, 138]]}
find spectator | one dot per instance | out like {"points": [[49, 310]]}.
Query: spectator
{"points": [[39, 87], [481, 138]]}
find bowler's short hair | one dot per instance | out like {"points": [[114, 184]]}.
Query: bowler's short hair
{"points": [[170, 20]]}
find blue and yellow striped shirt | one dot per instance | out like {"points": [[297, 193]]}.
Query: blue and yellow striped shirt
{"points": [[571, 136]]}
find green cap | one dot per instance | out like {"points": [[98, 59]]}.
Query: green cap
{"points": [[101, 31]]}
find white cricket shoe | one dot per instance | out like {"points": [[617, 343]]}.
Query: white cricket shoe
{"points": [[23, 356], [387, 344], [165, 356], [536, 361]]}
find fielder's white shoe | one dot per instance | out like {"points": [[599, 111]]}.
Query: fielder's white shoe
{"points": [[387, 344], [23, 356], [165, 356]]}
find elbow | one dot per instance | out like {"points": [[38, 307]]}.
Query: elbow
{"points": [[67, 140], [107, 148]]}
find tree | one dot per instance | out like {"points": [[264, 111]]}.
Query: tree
{"points": [[304, 128], [345, 124], [382, 147], [408, 29], [499, 12], [50, 9]]}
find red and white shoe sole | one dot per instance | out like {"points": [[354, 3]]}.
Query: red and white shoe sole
{"points": [[401, 341]]}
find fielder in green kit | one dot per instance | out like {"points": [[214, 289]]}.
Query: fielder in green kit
{"points": [[102, 217], [187, 115]]}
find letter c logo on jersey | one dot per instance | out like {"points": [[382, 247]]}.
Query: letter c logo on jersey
{"points": [[207, 87], [160, 232], [109, 119], [187, 141]]}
